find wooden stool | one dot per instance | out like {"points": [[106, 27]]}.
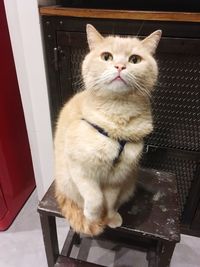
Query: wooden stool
{"points": [[150, 223]]}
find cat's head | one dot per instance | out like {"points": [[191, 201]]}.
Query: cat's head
{"points": [[120, 65]]}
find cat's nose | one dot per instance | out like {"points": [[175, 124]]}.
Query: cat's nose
{"points": [[120, 67]]}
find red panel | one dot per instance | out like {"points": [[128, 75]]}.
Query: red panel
{"points": [[3, 208], [16, 171]]}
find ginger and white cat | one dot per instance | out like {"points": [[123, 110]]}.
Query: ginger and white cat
{"points": [[100, 131]]}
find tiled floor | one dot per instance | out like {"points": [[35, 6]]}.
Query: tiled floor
{"points": [[22, 245]]}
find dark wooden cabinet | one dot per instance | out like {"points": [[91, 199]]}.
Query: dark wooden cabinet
{"points": [[175, 143]]}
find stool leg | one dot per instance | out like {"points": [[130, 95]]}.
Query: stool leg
{"points": [[77, 240], [69, 242], [84, 248], [165, 254], [50, 238], [152, 258]]}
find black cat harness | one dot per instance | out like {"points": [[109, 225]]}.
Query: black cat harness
{"points": [[121, 142]]}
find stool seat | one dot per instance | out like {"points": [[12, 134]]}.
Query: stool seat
{"points": [[150, 218], [153, 210]]}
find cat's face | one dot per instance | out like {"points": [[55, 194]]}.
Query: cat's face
{"points": [[120, 65]]}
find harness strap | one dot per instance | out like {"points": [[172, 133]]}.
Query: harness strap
{"points": [[121, 142], [99, 129]]}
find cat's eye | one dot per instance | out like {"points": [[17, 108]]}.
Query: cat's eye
{"points": [[106, 56], [135, 59]]}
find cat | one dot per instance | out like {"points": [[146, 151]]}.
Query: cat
{"points": [[99, 134]]}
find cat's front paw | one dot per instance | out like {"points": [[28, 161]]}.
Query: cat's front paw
{"points": [[115, 221], [93, 214]]}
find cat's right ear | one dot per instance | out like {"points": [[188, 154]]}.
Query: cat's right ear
{"points": [[151, 41], [93, 36]]}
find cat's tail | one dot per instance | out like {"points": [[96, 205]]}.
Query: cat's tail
{"points": [[77, 219]]}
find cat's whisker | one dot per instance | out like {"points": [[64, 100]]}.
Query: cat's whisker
{"points": [[100, 80], [140, 28], [77, 78], [92, 86], [138, 84], [133, 81], [77, 82], [78, 86]]}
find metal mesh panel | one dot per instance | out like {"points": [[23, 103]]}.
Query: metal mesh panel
{"points": [[176, 109], [184, 170], [76, 58], [176, 103]]}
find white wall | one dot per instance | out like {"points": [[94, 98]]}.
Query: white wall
{"points": [[24, 28]]}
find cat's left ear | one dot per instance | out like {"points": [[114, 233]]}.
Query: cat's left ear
{"points": [[151, 41], [93, 36]]}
